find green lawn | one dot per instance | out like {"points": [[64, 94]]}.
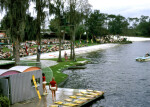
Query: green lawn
{"points": [[88, 44], [57, 70], [35, 46], [48, 74], [5, 49]]}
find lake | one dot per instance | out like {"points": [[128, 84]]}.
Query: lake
{"points": [[125, 81]]}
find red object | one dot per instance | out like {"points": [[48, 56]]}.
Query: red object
{"points": [[53, 83], [26, 48], [44, 79]]}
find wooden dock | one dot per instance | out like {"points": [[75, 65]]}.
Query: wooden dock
{"points": [[65, 97], [82, 98]]}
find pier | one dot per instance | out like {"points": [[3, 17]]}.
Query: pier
{"points": [[64, 97]]}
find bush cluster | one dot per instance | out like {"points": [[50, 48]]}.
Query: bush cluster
{"points": [[4, 101]]}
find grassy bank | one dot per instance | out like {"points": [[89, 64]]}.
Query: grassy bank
{"points": [[57, 70]]}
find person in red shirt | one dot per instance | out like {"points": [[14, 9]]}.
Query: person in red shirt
{"points": [[53, 88], [44, 83]]}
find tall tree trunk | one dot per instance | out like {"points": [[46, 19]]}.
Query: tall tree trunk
{"points": [[80, 37], [71, 49], [38, 5], [72, 44], [59, 58], [13, 49], [74, 58], [64, 37], [87, 36], [16, 51], [38, 48]]}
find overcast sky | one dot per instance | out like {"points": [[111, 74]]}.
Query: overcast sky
{"points": [[126, 8]]}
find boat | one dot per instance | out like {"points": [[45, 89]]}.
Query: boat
{"points": [[143, 58], [76, 67]]}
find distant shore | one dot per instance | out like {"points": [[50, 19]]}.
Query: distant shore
{"points": [[84, 50], [78, 51], [134, 39]]}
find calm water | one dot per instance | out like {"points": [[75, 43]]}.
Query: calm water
{"points": [[126, 83]]}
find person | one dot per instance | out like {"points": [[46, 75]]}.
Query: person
{"points": [[87, 41], [44, 83], [147, 55], [65, 55], [53, 88], [80, 41], [26, 48], [91, 40]]}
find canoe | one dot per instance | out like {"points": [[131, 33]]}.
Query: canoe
{"points": [[143, 58]]}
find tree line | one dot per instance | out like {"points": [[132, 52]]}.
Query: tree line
{"points": [[74, 17]]}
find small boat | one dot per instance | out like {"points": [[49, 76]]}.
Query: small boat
{"points": [[77, 67], [143, 58]]}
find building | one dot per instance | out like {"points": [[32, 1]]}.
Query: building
{"points": [[16, 83]]}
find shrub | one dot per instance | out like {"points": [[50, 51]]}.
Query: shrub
{"points": [[4, 101]]}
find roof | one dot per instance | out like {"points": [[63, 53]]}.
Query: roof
{"points": [[5, 72], [24, 68], [17, 69]]}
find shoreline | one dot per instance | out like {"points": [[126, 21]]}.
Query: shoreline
{"points": [[78, 51], [101, 47], [83, 50], [136, 39]]}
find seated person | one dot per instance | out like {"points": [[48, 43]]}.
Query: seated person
{"points": [[147, 55]]}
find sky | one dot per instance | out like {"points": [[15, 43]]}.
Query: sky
{"points": [[126, 8]]}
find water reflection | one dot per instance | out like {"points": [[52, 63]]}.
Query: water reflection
{"points": [[125, 81]]}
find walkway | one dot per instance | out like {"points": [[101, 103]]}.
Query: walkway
{"points": [[46, 101]]}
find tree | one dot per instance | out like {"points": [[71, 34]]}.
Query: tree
{"points": [[96, 23], [16, 10], [30, 28], [75, 16], [5, 22], [144, 18], [72, 23], [117, 24], [133, 22], [65, 21], [58, 26], [40, 5], [53, 25], [80, 31], [143, 29], [85, 11]]}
